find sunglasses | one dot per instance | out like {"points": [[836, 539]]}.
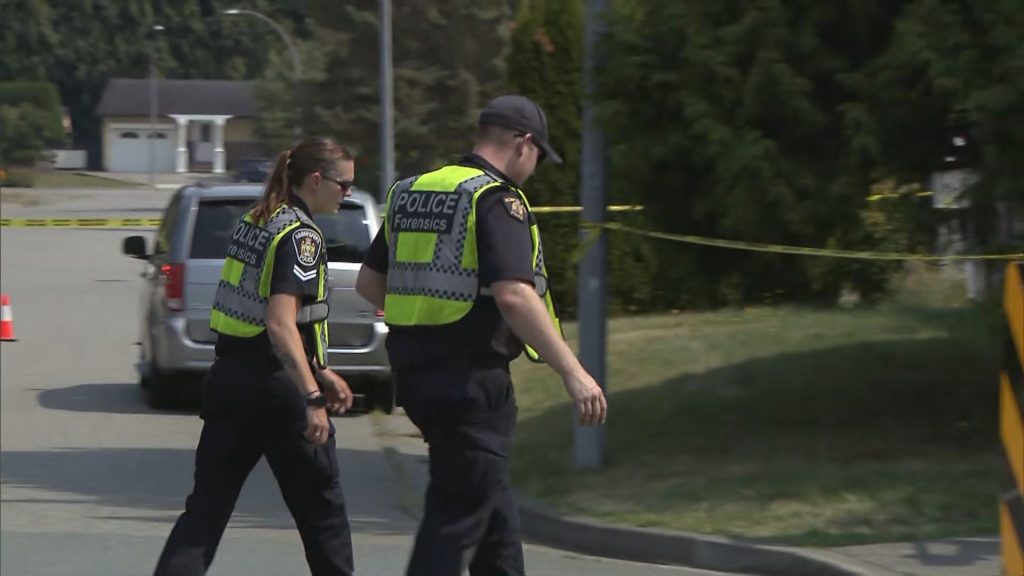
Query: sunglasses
{"points": [[541, 154], [345, 185]]}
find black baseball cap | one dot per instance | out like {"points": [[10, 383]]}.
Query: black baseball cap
{"points": [[520, 113]]}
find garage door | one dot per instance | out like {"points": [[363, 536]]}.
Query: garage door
{"points": [[129, 149]]}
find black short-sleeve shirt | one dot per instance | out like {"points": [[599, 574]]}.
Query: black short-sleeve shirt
{"points": [[504, 252]]}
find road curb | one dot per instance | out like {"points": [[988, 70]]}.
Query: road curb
{"points": [[678, 548]]}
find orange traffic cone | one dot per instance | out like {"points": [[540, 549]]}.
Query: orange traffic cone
{"points": [[6, 320]]}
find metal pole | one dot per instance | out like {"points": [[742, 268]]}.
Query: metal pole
{"points": [[387, 103], [153, 104], [152, 119], [589, 442]]}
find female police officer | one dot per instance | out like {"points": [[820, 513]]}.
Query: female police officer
{"points": [[267, 391]]}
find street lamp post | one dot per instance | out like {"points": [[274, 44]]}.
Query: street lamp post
{"points": [[153, 102], [296, 63], [387, 124], [292, 50], [387, 103]]}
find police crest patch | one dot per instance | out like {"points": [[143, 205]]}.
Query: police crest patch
{"points": [[307, 246], [515, 208]]}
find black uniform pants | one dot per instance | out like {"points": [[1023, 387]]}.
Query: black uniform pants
{"points": [[467, 416], [252, 410]]}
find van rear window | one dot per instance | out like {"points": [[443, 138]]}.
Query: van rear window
{"points": [[214, 223], [346, 233]]}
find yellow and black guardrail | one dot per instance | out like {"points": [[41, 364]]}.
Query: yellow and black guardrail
{"points": [[1011, 424]]}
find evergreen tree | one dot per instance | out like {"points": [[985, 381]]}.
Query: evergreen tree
{"points": [[545, 64], [30, 122], [448, 60], [79, 46], [951, 62], [742, 120], [27, 39]]}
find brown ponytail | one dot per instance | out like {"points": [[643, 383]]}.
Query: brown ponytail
{"points": [[314, 154]]}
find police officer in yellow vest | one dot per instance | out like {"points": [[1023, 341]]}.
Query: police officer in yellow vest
{"points": [[458, 268], [269, 388]]}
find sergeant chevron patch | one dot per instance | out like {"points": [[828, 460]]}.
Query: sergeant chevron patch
{"points": [[303, 275]]}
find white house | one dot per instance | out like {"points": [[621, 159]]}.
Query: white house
{"points": [[201, 125]]}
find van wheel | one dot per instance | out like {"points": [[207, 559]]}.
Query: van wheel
{"points": [[160, 393]]}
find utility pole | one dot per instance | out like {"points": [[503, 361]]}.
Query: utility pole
{"points": [[387, 103], [153, 104], [592, 292]]}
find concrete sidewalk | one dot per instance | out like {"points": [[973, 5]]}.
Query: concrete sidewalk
{"points": [[949, 557]]}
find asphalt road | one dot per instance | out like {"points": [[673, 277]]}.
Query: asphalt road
{"points": [[92, 479]]}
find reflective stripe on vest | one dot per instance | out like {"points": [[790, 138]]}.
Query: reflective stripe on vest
{"points": [[319, 326], [433, 270], [541, 284], [243, 293]]}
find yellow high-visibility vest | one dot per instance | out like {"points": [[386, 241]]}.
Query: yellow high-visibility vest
{"points": [[243, 293], [430, 226]]}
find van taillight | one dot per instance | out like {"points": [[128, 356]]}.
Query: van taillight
{"points": [[380, 313], [174, 285]]}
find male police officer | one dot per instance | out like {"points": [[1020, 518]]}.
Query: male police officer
{"points": [[459, 270]]}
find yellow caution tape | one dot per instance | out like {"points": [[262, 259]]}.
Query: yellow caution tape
{"points": [[781, 249], [557, 209], [876, 197], [80, 222], [587, 242], [147, 222]]}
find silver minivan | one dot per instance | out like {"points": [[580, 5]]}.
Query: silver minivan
{"points": [[181, 276]]}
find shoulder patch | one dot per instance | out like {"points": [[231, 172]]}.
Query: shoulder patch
{"points": [[514, 206], [307, 246]]}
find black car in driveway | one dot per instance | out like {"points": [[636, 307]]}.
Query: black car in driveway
{"points": [[253, 170]]}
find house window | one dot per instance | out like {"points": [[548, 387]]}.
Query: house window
{"points": [[204, 132], [157, 136], [130, 135]]}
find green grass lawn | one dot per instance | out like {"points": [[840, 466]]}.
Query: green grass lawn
{"points": [[784, 425]]}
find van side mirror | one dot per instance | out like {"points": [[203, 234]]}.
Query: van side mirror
{"points": [[135, 247]]}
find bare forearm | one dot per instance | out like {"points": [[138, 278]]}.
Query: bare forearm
{"points": [[287, 344], [372, 286], [526, 314]]}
